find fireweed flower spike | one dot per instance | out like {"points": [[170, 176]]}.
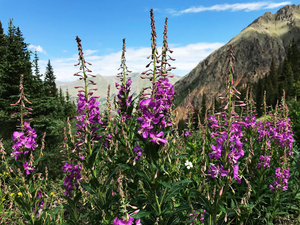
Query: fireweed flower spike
{"points": [[26, 138], [125, 101], [155, 110], [89, 114]]}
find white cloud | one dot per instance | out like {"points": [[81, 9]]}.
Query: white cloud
{"points": [[233, 7], [89, 52], [37, 48], [187, 57], [64, 50]]}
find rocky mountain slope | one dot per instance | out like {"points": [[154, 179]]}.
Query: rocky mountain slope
{"points": [[267, 37]]}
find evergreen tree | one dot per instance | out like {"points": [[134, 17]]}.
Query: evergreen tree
{"points": [[15, 61], [70, 108], [39, 86], [273, 76], [49, 81], [259, 97], [181, 126], [61, 97], [286, 80], [3, 51], [195, 120], [294, 58], [2, 43], [269, 91]]}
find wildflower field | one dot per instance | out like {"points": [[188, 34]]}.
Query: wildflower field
{"points": [[233, 169]]}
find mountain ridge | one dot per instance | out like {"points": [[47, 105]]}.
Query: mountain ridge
{"points": [[266, 37]]}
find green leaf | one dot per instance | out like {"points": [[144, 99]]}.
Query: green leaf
{"points": [[124, 166], [232, 204], [173, 192], [77, 198], [108, 179], [69, 209], [179, 156], [222, 209], [87, 187], [95, 183], [141, 214], [168, 185]]}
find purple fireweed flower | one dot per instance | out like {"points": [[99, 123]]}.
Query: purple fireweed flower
{"points": [[216, 152], [71, 179], [40, 207], [138, 151], [23, 140], [283, 134], [28, 168], [156, 109], [156, 138], [283, 177], [187, 133], [250, 122], [86, 107], [124, 222], [265, 161], [216, 171], [236, 173]]}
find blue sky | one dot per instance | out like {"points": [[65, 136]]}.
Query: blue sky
{"points": [[195, 29]]}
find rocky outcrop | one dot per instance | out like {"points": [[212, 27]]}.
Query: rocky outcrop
{"points": [[267, 37]]}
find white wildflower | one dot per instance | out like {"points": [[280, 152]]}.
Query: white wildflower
{"points": [[188, 164]]}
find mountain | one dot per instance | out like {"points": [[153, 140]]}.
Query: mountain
{"points": [[267, 37], [102, 83]]}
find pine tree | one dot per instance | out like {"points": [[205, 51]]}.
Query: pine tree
{"points": [[195, 120], [49, 81], [38, 82], [70, 108], [269, 91], [16, 61], [273, 76], [259, 96], [3, 50], [181, 126], [286, 79], [2, 43]]}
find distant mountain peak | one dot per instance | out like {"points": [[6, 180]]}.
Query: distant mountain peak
{"points": [[265, 38]]}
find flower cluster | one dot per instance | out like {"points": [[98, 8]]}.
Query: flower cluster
{"points": [[138, 151], [217, 171], [124, 222], [284, 177], [23, 140], [71, 179], [265, 161], [283, 134], [89, 114], [195, 214], [26, 138], [155, 110], [250, 122]]}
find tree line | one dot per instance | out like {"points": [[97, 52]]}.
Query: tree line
{"points": [[50, 107]]}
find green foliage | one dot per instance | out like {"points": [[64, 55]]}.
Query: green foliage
{"points": [[49, 81], [203, 108]]}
